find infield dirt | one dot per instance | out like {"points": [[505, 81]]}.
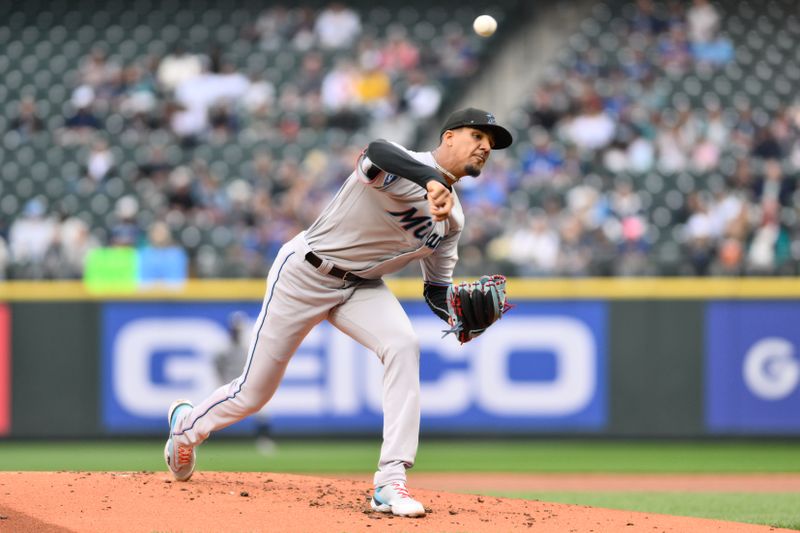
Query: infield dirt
{"points": [[249, 502]]}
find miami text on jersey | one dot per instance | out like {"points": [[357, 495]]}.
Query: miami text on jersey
{"points": [[419, 225]]}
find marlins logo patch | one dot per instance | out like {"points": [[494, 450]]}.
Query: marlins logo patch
{"points": [[388, 180], [490, 118]]}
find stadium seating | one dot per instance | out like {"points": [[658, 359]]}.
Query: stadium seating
{"points": [[751, 75]]}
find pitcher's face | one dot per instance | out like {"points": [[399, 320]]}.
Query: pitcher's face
{"points": [[470, 147]]}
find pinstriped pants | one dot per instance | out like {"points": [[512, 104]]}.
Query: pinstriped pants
{"points": [[298, 298]]}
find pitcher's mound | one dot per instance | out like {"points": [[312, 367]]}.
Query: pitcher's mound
{"points": [[221, 502]]}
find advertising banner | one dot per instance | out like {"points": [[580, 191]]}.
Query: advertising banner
{"points": [[752, 367], [542, 367]]}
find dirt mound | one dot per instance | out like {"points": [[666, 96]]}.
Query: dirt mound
{"points": [[526, 482], [235, 502]]}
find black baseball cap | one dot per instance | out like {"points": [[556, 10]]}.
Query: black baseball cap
{"points": [[481, 120]]}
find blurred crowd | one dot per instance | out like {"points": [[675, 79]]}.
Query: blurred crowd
{"points": [[309, 86], [615, 171], [625, 172]]}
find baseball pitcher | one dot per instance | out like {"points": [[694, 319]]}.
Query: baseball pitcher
{"points": [[396, 207]]}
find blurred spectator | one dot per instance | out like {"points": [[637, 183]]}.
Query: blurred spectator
{"points": [[178, 67], [766, 145], [633, 248], [30, 235], [139, 98], [373, 87], [210, 192], [457, 58], [700, 236], [81, 124], [769, 247], [593, 128], [730, 259], [772, 185], [27, 122], [100, 162], [422, 98], [97, 72], [339, 87], [66, 256], [705, 155], [399, 55], [309, 79], [624, 200], [670, 146], [575, 253], [125, 231], [674, 51], [542, 110], [640, 154], [541, 160], [259, 97], [742, 178], [703, 21], [274, 26], [155, 167], [647, 20], [725, 210], [180, 196], [303, 37], [534, 248], [337, 26], [203, 102]]}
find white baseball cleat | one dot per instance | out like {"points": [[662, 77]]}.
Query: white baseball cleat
{"points": [[394, 498], [180, 459]]}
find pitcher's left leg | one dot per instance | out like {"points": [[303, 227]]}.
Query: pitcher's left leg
{"points": [[373, 317]]}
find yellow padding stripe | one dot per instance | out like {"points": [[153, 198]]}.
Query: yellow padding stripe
{"points": [[518, 289]]}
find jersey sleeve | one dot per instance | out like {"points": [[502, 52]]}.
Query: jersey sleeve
{"points": [[438, 267], [436, 298], [382, 159]]}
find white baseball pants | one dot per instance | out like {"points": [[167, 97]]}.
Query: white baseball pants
{"points": [[299, 297]]}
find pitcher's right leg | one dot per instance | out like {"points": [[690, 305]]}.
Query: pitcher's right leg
{"points": [[294, 304]]}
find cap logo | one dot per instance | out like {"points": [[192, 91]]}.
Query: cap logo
{"points": [[490, 119]]}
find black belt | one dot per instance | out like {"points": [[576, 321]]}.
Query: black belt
{"points": [[336, 272]]}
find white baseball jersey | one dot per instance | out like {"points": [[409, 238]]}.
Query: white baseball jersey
{"points": [[377, 226]]}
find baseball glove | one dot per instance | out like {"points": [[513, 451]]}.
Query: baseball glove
{"points": [[473, 307]]}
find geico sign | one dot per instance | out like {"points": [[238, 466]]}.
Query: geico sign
{"points": [[155, 361], [770, 369]]}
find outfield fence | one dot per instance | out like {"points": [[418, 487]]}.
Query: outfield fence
{"points": [[605, 357]]}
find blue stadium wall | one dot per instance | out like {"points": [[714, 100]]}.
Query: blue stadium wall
{"points": [[618, 358]]}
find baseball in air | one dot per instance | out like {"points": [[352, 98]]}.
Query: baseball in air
{"points": [[484, 25]]}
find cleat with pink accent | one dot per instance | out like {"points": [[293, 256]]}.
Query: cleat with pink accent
{"points": [[394, 498], [180, 459]]}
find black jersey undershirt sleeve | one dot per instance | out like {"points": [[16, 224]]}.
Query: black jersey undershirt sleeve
{"points": [[436, 298], [393, 160]]}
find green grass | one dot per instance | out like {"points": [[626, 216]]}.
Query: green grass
{"points": [[355, 456], [774, 509]]}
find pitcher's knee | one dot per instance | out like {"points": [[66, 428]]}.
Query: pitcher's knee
{"points": [[250, 401], [403, 348]]}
